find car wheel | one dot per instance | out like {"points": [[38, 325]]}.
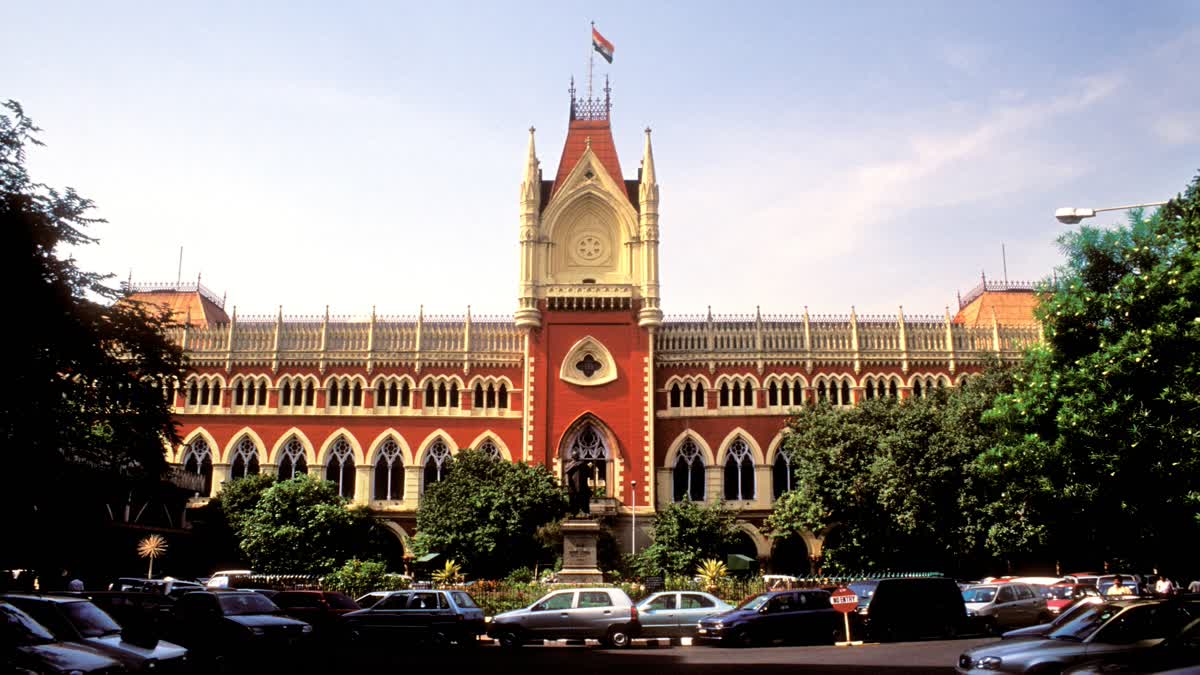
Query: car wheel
{"points": [[744, 638], [439, 638], [508, 638], [618, 637]]}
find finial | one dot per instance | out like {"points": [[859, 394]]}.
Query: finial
{"points": [[647, 131], [531, 129], [710, 312], [588, 140]]}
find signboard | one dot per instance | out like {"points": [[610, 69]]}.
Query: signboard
{"points": [[654, 584], [844, 600]]}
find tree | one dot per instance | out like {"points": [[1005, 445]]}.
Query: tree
{"points": [[486, 514], [85, 410], [1103, 441], [685, 533], [238, 498], [302, 526]]}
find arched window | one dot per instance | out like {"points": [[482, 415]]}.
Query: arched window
{"points": [[310, 394], [341, 467], [916, 390], [822, 393], [748, 393], [437, 463], [262, 393], [239, 393], [389, 471], [785, 394], [869, 390], [292, 461], [739, 471], [245, 459], [429, 394], [393, 395], [333, 395], [441, 395], [797, 393], [478, 402], [589, 447], [381, 394], [675, 396], [405, 395], [784, 479], [773, 394], [285, 394], [724, 398], [453, 395], [688, 400], [490, 449], [893, 390], [846, 400], [198, 460], [737, 394], [204, 393], [502, 397], [689, 473], [344, 399], [491, 396], [699, 395]]}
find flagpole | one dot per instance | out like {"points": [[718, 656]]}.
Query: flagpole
{"points": [[591, 58]]}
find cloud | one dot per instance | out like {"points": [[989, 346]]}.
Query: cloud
{"points": [[1177, 129]]}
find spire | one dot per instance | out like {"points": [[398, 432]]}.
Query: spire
{"points": [[648, 177], [531, 185]]}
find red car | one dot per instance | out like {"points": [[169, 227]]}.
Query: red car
{"points": [[1061, 596]]}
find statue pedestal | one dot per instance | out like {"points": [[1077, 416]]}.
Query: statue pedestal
{"points": [[579, 552]]}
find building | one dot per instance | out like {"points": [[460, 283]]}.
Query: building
{"points": [[588, 366]]}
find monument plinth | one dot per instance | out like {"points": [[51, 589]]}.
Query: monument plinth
{"points": [[579, 552]]}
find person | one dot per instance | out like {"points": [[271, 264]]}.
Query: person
{"points": [[1194, 587], [75, 585], [1118, 588], [1164, 586]]}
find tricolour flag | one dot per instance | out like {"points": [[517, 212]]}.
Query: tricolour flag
{"points": [[603, 46]]}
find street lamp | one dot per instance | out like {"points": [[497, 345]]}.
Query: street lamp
{"points": [[1069, 216], [633, 528]]}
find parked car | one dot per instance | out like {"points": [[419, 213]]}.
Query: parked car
{"points": [[231, 627], [1132, 581], [78, 621], [999, 607], [605, 614], [675, 614], [320, 609], [1085, 578], [892, 609], [146, 612], [1068, 614], [1062, 596], [27, 645], [370, 599], [437, 617], [778, 615], [1180, 651], [1119, 626]]}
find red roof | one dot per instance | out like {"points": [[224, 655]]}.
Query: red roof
{"points": [[1010, 307], [578, 133]]}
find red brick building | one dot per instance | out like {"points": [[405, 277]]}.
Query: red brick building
{"points": [[588, 365]]}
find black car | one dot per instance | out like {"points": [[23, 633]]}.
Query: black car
{"points": [[437, 617], [779, 615], [910, 608], [232, 628], [26, 645]]}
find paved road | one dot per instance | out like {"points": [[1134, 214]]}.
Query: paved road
{"points": [[888, 659]]}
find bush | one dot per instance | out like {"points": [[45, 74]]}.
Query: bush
{"points": [[359, 577]]}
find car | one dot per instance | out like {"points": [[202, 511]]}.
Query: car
{"points": [[907, 608], [146, 612], [166, 586], [779, 582], [1179, 651], [804, 615], [1064, 595], [27, 645], [226, 627], [675, 614], [78, 621], [367, 601], [433, 616], [1066, 615], [320, 609], [1131, 581], [227, 578], [605, 614], [997, 607], [1110, 627]]}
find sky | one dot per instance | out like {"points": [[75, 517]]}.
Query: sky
{"points": [[819, 155]]}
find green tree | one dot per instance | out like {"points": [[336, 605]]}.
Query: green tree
{"points": [[238, 498], [685, 533], [302, 526], [1104, 424], [83, 410], [486, 514]]}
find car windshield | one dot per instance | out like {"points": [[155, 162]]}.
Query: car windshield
{"points": [[246, 603], [1061, 592], [1084, 623], [21, 629], [90, 620], [864, 590], [369, 600], [979, 594], [753, 604]]}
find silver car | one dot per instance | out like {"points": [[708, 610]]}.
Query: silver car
{"points": [[605, 614], [999, 607], [675, 614]]}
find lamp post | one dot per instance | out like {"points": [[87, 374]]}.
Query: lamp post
{"points": [[633, 528], [1070, 216]]}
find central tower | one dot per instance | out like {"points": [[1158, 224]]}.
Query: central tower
{"points": [[589, 305]]}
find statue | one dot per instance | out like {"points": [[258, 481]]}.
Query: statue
{"points": [[579, 475]]}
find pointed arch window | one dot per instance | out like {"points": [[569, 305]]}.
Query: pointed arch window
{"points": [[699, 394], [389, 471], [589, 446], [198, 460], [478, 402], [846, 400], [783, 473], [739, 471], [797, 393], [676, 396], [285, 394], [490, 449], [688, 397], [292, 459], [773, 394], [340, 469], [502, 397], [437, 463], [310, 394], [689, 473], [724, 399], [893, 389], [245, 459]]}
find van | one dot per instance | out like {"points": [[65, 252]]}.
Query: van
{"points": [[897, 609]]}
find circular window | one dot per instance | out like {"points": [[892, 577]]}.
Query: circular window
{"points": [[589, 247]]}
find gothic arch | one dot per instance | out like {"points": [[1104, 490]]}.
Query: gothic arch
{"points": [[344, 377], [398, 531], [310, 454], [673, 449], [607, 195], [773, 447], [323, 455], [438, 379], [490, 379], [198, 432], [389, 433], [614, 446], [750, 441], [398, 379], [246, 432], [495, 438], [423, 448], [761, 543]]}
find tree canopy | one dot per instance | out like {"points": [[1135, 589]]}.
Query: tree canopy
{"points": [[685, 533], [486, 513], [85, 408]]}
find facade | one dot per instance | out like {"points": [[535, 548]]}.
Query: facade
{"points": [[587, 368]]}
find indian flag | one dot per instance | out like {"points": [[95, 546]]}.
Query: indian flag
{"points": [[601, 45]]}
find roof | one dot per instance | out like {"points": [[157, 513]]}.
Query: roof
{"points": [[187, 303], [1009, 306], [579, 133]]}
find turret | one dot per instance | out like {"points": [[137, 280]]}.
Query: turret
{"points": [[651, 315], [527, 314]]}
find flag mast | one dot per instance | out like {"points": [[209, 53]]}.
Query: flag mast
{"points": [[591, 58]]}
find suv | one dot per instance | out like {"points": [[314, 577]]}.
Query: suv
{"points": [[778, 615], [604, 614], [999, 607], [437, 617], [78, 621], [893, 609], [228, 626]]}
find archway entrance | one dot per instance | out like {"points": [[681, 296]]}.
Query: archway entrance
{"points": [[790, 556]]}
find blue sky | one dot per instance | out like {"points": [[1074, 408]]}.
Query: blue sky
{"points": [[359, 154]]}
